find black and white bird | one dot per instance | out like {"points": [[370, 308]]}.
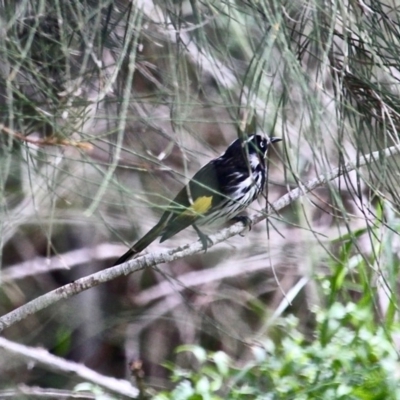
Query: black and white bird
{"points": [[217, 193]]}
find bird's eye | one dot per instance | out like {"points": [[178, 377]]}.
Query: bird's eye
{"points": [[262, 144]]}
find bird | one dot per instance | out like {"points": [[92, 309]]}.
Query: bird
{"points": [[217, 193]]}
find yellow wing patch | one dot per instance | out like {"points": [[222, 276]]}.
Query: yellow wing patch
{"points": [[200, 206]]}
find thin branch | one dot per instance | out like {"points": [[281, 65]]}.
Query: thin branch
{"points": [[65, 261], [150, 260], [196, 278], [57, 364], [33, 392], [49, 141]]}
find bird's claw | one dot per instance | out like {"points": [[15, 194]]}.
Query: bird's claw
{"points": [[204, 239], [245, 220]]}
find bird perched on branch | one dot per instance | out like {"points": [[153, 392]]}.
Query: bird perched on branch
{"points": [[217, 193]]}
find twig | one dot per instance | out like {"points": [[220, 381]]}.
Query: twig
{"points": [[58, 364], [36, 392], [50, 141], [136, 368], [150, 260], [65, 261], [194, 279]]}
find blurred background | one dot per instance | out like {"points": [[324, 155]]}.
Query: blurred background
{"points": [[108, 107]]}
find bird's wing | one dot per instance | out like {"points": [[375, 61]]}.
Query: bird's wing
{"points": [[205, 191], [193, 201]]}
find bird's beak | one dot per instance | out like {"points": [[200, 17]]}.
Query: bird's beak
{"points": [[274, 139]]}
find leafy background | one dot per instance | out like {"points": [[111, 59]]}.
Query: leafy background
{"points": [[108, 107]]}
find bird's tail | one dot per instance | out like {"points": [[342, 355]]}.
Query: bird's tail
{"points": [[142, 243]]}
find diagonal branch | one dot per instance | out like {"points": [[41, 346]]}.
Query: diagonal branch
{"points": [[150, 260], [57, 364]]}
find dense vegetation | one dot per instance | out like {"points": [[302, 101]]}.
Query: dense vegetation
{"points": [[107, 108]]}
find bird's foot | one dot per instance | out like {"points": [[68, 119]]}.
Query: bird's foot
{"points": [[245, 220], [204, 239]]}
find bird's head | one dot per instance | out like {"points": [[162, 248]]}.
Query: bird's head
{"points": [[257, 146]]}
